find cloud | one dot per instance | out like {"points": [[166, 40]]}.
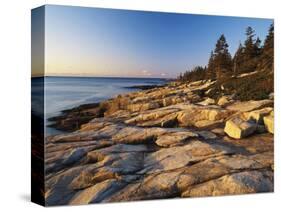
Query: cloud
{"points": [[146, 73]]}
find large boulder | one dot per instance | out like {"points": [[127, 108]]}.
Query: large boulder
{"points": [[238, 128], [258, 115], [269, 122]]}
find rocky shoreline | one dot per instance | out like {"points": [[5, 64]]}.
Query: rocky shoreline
{"points": [[72, 119], [163, 142]]}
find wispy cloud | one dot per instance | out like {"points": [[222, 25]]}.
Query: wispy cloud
{"points": [[146, 73]]}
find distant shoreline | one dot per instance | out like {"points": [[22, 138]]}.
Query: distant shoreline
{"points": [[86, 105], [65, 112], [106, 77]]}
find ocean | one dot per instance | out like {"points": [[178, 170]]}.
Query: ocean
{"points": [[67, 92]]}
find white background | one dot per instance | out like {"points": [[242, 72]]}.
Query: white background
{"points": [[15, 104]]}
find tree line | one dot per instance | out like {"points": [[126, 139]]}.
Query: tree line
{"points": [[250, 56]]}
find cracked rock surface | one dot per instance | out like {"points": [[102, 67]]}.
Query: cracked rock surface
{"points": [[164, 142]]}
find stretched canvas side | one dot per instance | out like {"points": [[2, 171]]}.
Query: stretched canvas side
{"points": [[37, 105]]}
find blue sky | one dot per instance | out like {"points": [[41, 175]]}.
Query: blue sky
{"points": [[106, 42]]}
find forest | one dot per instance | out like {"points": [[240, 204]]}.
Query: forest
{"points": [[251, 58]]}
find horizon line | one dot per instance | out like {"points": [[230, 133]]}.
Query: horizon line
{"points": [[140, 77]]}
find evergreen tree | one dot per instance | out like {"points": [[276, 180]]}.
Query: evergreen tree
{"points": [[257, 47], [238, 60], [222, 59], [267, 56], [211, 72], [180, 77], [251, 52], [250, 33]]}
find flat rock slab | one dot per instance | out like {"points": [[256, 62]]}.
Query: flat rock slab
{"points": [[96, 193], [250, 105], [181, 156], [175, 138], [238, 183]]}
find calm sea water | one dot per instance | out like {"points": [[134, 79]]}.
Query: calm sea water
{"points": [[67, 92]]}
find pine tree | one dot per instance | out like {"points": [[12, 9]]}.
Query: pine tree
{"points": [[267, 55], [257, 46], [251, 52], [222, 59], [211, 72], [250, 33], [238, 60], [180, 77]]}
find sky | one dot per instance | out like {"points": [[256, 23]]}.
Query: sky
{"points": [[81, 41]]}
